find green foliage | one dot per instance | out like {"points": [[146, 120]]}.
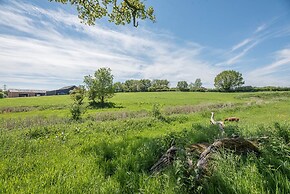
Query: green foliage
{"points": [[196, 86], [159, 85], [77, 109], [118, 87], [145, 84], [78, 95], [142, 85], [198, 83], [156, 112], [182, 86], [100, 86], [131, 85], [1, 94], [228, 80], [118, 12]]}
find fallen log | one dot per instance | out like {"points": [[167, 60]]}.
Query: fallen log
{"points": [[165, 160], [237, 144]]}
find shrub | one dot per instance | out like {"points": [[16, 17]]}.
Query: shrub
{"points": [[77, 109]]}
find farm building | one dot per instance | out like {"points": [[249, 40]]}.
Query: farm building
{"points": [[61, 91], [13, 93]]}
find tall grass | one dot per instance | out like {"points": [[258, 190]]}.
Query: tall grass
{"points": [[112, 151]]}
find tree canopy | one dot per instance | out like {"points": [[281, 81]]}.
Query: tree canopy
{"points": [[182, 86], [118, 12], [100, 85], [228, 80]]}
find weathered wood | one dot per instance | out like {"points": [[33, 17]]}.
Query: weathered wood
{"points": [[165, 160], [204, 150], [239, 145]]}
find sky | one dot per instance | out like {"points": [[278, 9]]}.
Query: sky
{"points": [[43, 45]]}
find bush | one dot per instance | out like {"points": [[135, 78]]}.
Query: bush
{"points": [[77, 108]]}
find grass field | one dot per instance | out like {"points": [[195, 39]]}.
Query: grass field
{"points": [[111, 150]]}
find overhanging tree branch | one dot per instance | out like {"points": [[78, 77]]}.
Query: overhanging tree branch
{"points": [[126, 11]]}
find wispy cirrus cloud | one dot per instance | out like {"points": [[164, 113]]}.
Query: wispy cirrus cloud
{"points": [[241, 44], [260, 28], [264, 32], [280, 64]]}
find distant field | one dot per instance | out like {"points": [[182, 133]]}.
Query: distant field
{"points": [[58, 105], [111, 150]]}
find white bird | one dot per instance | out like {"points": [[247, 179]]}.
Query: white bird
{"points": [[219, 123]]}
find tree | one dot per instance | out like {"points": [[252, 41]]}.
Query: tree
{"points": [[159, 85], [196, 86], [1, 94], [182, 86], [100, 86], [118, 87], [118, 12], [198, 83], [131, 85], [228, 80], [145, 84]]}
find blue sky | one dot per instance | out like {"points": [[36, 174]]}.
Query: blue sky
{"points": [[43, 45]]}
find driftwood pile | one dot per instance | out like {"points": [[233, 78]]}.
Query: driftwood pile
{"points": [[238, 145]]}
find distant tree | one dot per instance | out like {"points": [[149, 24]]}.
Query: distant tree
{"points": [[100, 85], [228, 80], [196, 86], [1, 94], [118, 12], [132, 85], [198, 83], [144, 85], [182, 86], [118, 87], [159, 85]]}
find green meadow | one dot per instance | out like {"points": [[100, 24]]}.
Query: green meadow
{"points": [[111, 150]]}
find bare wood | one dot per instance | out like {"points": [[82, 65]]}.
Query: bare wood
{"points": [[165, 160], [204, 150], [239, 145]]}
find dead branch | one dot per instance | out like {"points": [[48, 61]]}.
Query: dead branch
{"points": [[239, 145], [165, 160], [204, 150]]}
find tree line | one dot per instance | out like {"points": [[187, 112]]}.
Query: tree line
{"points": [[99, 87]]}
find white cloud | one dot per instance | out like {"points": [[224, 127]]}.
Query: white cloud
{"points": [[282, 62], [260, 28], [241, 44], [44, 50], [265, 75], [235, 59]]}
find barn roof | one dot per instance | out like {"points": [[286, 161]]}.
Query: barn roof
{"points": [[67, 87], [26, 91]]}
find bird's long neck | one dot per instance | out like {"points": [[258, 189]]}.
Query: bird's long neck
{"points": [[212, 118]]}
